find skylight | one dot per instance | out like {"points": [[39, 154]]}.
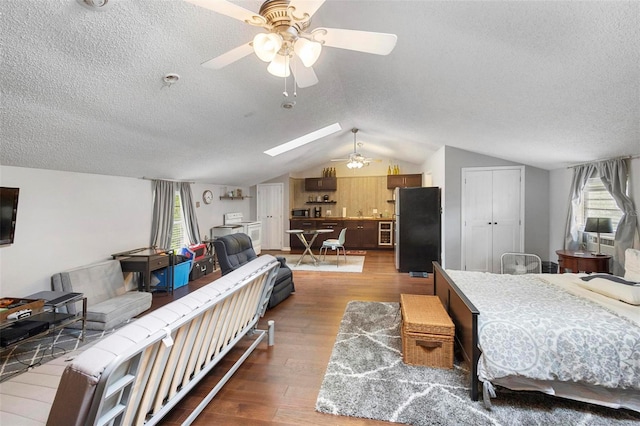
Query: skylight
{"points": [[303, 140]]}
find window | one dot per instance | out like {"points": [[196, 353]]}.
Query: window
{"points": [[178, 232], [597, 202]]}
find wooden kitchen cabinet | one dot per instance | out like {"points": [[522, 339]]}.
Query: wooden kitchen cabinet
{"points": [[404, 181], [335, 225], [321, 184], [361, 234], [294, 241]]}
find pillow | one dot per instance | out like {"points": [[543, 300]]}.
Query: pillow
{"points": [[632, 264], [613, 287]]}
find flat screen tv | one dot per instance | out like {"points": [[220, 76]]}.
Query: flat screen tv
{"points": [[8, 214]]}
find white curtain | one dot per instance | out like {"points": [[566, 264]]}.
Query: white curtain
{"points": [[189, 213], [580, 176], [614, 177], [162, 225], [613, 174]]}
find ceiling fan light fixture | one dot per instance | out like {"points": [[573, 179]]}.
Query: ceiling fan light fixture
{"points": [[279, 67], [308, 51], [267, 45], [354, 164]]}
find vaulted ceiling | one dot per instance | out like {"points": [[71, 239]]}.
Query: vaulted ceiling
{"points": [[541, 83]]}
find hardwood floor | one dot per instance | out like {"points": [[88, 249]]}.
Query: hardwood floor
{"points": [[279, 385]]}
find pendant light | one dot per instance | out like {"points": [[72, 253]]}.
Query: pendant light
{"points": [[308, 51], [279, 66], [267, 45]]}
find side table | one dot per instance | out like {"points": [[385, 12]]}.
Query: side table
{"points": [[582, 261], [48, 319], [146, 260]]}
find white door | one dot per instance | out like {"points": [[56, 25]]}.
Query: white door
{"points": [[506, 214], [492, 213], [477, 221], [269, 212]]}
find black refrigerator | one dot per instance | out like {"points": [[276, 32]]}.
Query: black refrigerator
{"points": [[418, 232]]}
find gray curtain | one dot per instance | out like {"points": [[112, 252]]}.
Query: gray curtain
{"points": [[161, 227], [580, 176], [190, 219], [614, 177]]}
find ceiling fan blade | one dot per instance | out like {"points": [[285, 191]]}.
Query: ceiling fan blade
{"points": [[361, 41], [305, 6], [340, 159], [229, 9], [229, 57], [305, 76]]}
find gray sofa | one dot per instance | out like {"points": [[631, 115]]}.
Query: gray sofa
{"points": [[109, 301]]}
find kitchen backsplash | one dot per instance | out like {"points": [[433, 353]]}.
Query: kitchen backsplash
{"points": [[354, 193]]}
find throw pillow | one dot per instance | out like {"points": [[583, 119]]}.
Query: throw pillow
{"points": [[613, 287], [632, 264]]}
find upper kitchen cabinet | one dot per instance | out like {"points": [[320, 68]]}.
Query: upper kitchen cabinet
{"points": [[321, 184], [404, 181]]}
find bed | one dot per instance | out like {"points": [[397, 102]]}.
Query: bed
{"points": [[580, 344]]}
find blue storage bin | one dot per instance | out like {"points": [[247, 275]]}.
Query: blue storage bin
{"points": [[180, 275]]}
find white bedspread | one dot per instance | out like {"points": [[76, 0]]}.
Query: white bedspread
{"points": [[531, 328]]}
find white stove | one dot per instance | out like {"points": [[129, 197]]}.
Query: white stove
{"points": [[252, 228]]}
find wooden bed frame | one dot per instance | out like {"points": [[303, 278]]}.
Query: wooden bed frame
{"points": [[465, 319]]}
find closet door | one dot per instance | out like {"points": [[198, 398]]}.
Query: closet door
{"points": [[477, 223], [506, 225], [270, 214], [491, 216]]}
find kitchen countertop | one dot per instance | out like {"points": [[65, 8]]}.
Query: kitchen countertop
{"points": [[384, 219]]}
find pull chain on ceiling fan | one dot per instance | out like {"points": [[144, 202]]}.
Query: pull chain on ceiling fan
{"points": [[287, 45]]}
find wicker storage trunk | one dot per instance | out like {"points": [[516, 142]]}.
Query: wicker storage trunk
{"points": [[427, 332]]}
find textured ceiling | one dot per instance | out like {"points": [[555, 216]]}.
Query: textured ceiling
{"points": [[542, 83]]}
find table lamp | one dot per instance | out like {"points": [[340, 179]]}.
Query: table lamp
{"points": [[598, 225]]}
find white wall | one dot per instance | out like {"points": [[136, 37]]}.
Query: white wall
{"points": [[67, 220], [435, 167], [210, 215], [559, 185]]}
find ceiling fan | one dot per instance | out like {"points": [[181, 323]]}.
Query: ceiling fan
{"points": [[355, 159], [289, 45]]}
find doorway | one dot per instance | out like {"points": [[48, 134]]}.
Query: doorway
{"points": [[270, 214]]}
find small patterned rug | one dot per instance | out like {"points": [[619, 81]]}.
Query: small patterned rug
{"points": [[357, 252], [20, 358], [353, 264], [366, 378]]}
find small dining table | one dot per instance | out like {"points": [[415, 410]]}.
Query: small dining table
{"points": [[300, 233]]}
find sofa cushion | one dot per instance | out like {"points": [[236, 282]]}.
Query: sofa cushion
{"points": [[109, 302], [118, 309], [98, 282]]}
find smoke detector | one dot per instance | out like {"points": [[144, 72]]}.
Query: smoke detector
{"points": [[171, 78], [288, 104], [96, 4]]}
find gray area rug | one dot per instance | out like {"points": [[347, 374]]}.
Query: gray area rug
{"points": [[367, 378], [352, 264], [18, 359]]}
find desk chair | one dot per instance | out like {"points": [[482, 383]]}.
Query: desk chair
{"points": [[335, 244]]}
